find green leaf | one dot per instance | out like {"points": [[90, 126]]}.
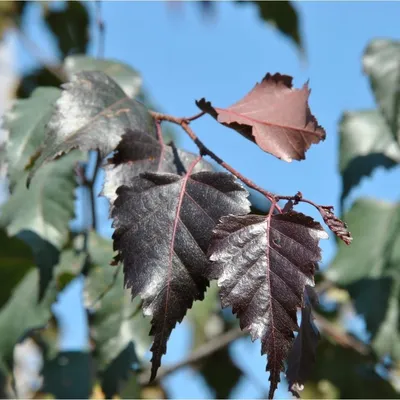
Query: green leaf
{"points": [[370, 270], [282, 15], [382, 64], [69, 375], [221, 373], [46, 257], [36, 77], [25, 124], [366, 143], [116, 321], [23, 313], [207, 323], [70, 27], [48, 206], [124, 75], [71, 264], [345, 374], [114, 378], [203, 316], [93, 112], [16, 260]]}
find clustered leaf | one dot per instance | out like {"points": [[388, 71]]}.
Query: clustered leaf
{"points": [[140, 152], [178, 224]]}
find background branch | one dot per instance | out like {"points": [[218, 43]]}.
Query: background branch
{"points": [[219, 342]]}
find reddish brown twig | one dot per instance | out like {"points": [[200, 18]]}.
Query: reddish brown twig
{"points": [[205, 151]]}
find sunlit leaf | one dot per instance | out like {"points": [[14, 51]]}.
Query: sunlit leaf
{"points": [[163, 225], [262, 264], [93, 112], [273, 115], [125, 76]]}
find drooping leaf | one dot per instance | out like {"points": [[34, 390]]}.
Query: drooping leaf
{"points": [[302, 356], [140, 152], [366, 143], [125, 76], [262, 264], [22, 313], [25, 124], [273, 115], [381, 63], [70, 27], [68, 376], [115, 323], [163, 225], [335, 224], [93, 112], [50, 204], [281, 14], [16, 260], [369, 269]]}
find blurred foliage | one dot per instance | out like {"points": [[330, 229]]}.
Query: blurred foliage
{"points": [[39, 257]]}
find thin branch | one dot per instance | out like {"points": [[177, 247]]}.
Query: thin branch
{"points": [[194, 117], [219, 342], [338, 227], [90, 186], [197, 355], [340, 337], [205, 151]]}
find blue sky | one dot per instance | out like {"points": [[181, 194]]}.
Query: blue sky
{"points": [[183, 57]]}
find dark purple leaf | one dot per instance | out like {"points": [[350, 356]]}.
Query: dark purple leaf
{"points": [[302, 356], [93, 112], [140, 152], [273, 115], [336, 225], [163, 226], [262, 264]]}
